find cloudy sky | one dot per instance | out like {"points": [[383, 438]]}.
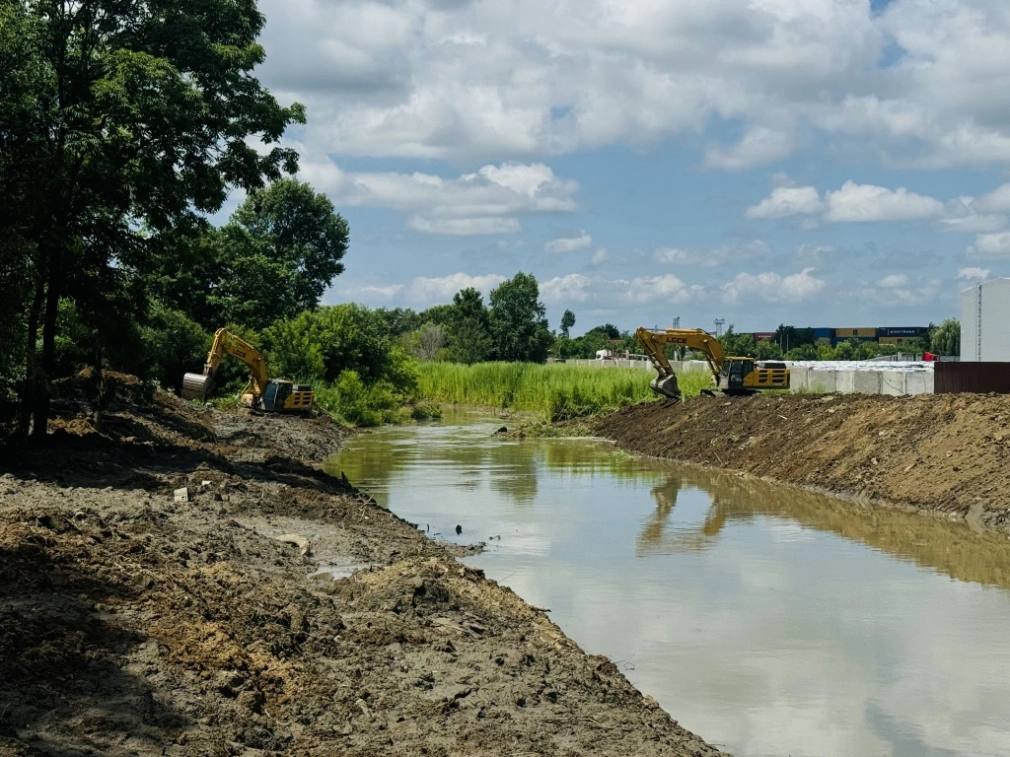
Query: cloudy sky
{"points": [[817, 162]]}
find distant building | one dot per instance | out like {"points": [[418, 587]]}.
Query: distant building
{"points": [[985, 322]]}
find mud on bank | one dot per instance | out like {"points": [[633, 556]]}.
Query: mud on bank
{"points": [[945, 454], [134, 624]]}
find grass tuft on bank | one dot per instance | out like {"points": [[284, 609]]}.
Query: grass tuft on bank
{"points": [[557, 391]]}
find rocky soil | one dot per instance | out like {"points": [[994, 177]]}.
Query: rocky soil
{"points": [[272, 609], [944, 454]]}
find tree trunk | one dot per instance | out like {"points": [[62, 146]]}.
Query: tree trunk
{"points": [[28, 384], [99, 384], [40, 419]]}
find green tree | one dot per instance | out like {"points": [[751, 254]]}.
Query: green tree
{"points": [[296, 228], [398, 321], [173, 344], [803, 352], [274, 258], [945, 339], [321, 344], [567, 321], [738, 344], [518, 320], [846, 351], [469, 328], [768, 350], [141, 117]]}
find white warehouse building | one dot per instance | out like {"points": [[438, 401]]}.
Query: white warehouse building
{"points": [[985, 322]]}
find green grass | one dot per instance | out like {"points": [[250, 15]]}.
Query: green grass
{"points": [[556, 391]]}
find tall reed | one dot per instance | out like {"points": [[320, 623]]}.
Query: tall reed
{"points": [[556, 390]]}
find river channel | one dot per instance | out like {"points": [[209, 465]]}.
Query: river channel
{"points": [[768, 621]]}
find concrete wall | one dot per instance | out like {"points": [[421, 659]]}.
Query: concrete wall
{"points": [[860, 381]]}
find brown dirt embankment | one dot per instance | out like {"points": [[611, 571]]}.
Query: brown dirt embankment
{"points": [[131, 623], [945, 454]]}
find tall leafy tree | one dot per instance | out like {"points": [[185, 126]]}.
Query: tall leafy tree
{"points": [[518, 320], [567, 321], [945, 339], [295, 228], [469, 327], [139, 119]]}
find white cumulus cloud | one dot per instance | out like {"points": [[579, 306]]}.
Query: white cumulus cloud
{"points": [[485, 201], [569, 244], [759, 146], [572, 287], [972, 274], [667, 288], [788, 201], [438, 289], [868, 202], [995, 245], [773, 287], [465, 80], [894, 281]]}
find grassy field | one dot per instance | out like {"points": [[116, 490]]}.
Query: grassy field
{"points": [[557, 391]]}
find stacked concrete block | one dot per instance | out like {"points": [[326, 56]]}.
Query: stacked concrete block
{"points": [[866, 382], [894, 383], [822, 381]]}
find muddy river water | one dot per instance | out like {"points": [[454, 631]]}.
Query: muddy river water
{"points": [[767, 620]]}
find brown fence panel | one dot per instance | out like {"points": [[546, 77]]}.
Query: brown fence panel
{"points": [[980, 378]]}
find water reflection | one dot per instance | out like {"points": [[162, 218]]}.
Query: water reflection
{"points": [[949, 547], [769, 619]]}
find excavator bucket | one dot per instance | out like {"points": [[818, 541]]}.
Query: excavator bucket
{"points": [[196, 386], [666, 386]]}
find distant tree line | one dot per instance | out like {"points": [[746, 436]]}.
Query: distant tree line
{"points": [[792, 343]]}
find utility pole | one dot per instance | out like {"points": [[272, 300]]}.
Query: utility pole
{"points": [[676, 321], [718, 325]]}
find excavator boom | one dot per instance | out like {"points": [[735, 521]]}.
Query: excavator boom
{"points": [[655, 340]]}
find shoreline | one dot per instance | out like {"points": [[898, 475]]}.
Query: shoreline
{"points": [[203, 623]]}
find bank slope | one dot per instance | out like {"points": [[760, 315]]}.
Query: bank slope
{"points": [[132, 621], [947, 454]]}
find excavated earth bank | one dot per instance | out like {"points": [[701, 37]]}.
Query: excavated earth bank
{"points": [[944, 454], [132, 623]]}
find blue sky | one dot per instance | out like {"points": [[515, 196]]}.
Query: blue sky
{"points": [[821, 162]]}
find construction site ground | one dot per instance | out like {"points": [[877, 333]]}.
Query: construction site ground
{"points": [[948, 455], [224, 622]]}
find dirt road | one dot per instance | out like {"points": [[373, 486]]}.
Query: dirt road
{"points": [[133, 622], [945, 454]]}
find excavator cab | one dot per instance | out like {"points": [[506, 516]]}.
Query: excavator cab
{"points": [[735, 372], [283, 396]]}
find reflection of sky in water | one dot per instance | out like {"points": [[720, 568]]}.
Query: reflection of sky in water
{"points": [[767, 620]]}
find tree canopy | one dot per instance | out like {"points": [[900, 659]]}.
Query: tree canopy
{"points": [[120, 125], [518, 320]]}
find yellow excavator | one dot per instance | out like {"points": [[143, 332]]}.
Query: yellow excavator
{"points": [[274, 395], [733, 375]]}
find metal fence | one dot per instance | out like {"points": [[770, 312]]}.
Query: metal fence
{"points": [[979, 378]]}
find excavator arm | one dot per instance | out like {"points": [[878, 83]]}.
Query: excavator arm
{"points": [[655, 340], [196, 386]]}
